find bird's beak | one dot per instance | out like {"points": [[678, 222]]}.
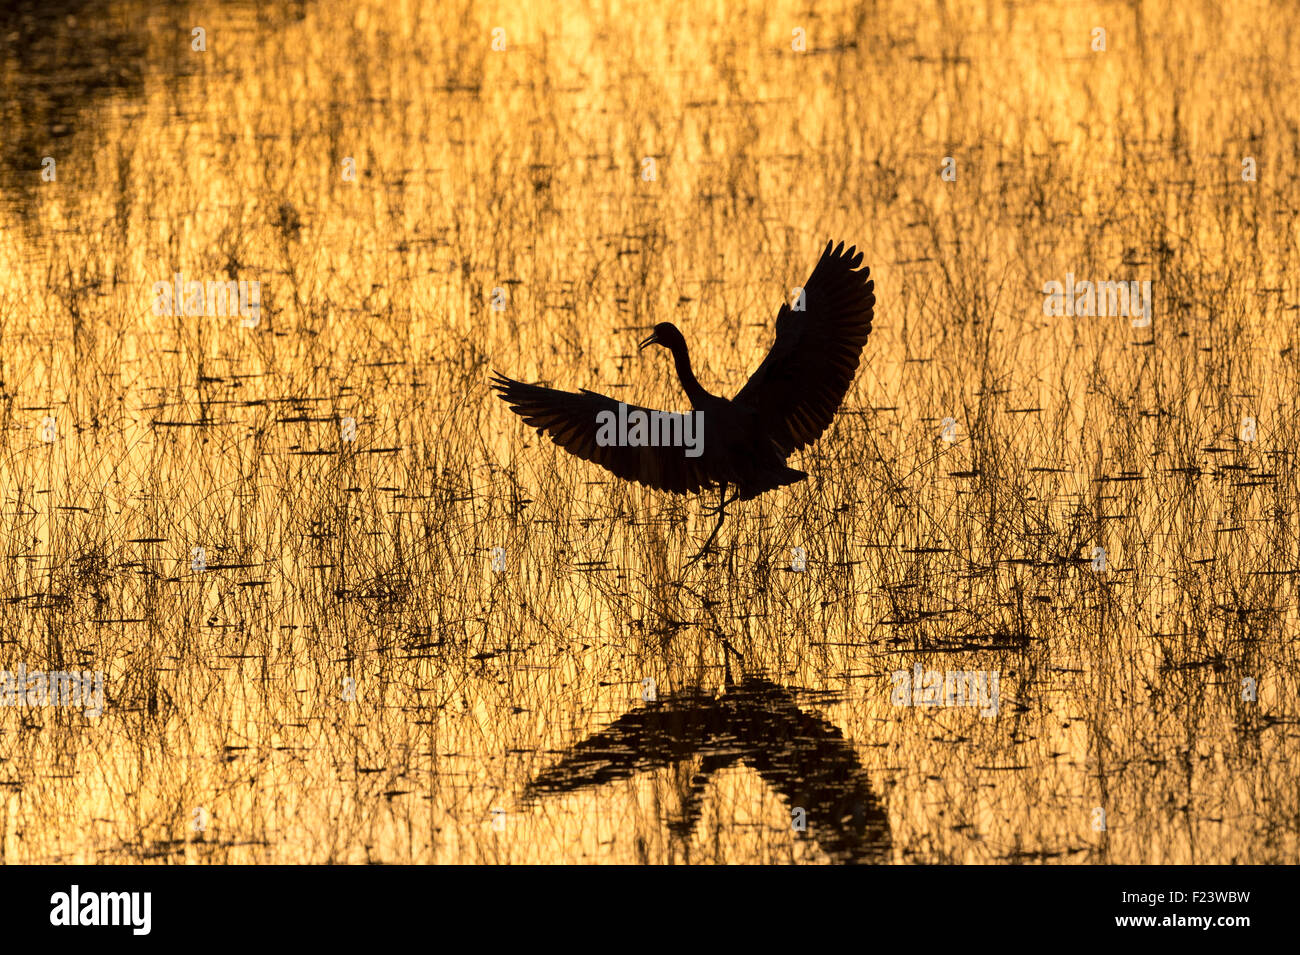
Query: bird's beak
{"points": [[652, 340]]}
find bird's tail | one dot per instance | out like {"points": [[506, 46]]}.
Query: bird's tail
{"points": [[777, 477]]}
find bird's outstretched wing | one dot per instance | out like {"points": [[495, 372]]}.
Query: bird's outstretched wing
{"points": [[571, 421], [799, 386], [682, 726], [808, 761]]}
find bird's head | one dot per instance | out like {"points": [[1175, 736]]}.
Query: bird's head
{"points": [[666, 334]]}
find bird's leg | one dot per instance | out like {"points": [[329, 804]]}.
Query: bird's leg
{"points": [[723, 501], [721, 511]]}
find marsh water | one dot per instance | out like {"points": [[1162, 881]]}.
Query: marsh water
{"points": [[1035, 603]]}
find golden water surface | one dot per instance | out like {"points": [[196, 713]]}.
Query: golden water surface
{"points": [[446, 640]]}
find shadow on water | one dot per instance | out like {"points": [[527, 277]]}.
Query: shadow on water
{"points": [[57, 60], [756, 723], [61, 60]]}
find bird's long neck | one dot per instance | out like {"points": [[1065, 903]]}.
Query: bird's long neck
{"points": [[694, 390]]}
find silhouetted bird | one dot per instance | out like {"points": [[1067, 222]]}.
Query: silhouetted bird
{"points": [[785, 406]]}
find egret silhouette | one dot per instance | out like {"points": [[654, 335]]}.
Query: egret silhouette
{"points": [[785, 406]]}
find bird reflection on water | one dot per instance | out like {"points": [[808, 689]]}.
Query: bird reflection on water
{"points": [[757, 723]]}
